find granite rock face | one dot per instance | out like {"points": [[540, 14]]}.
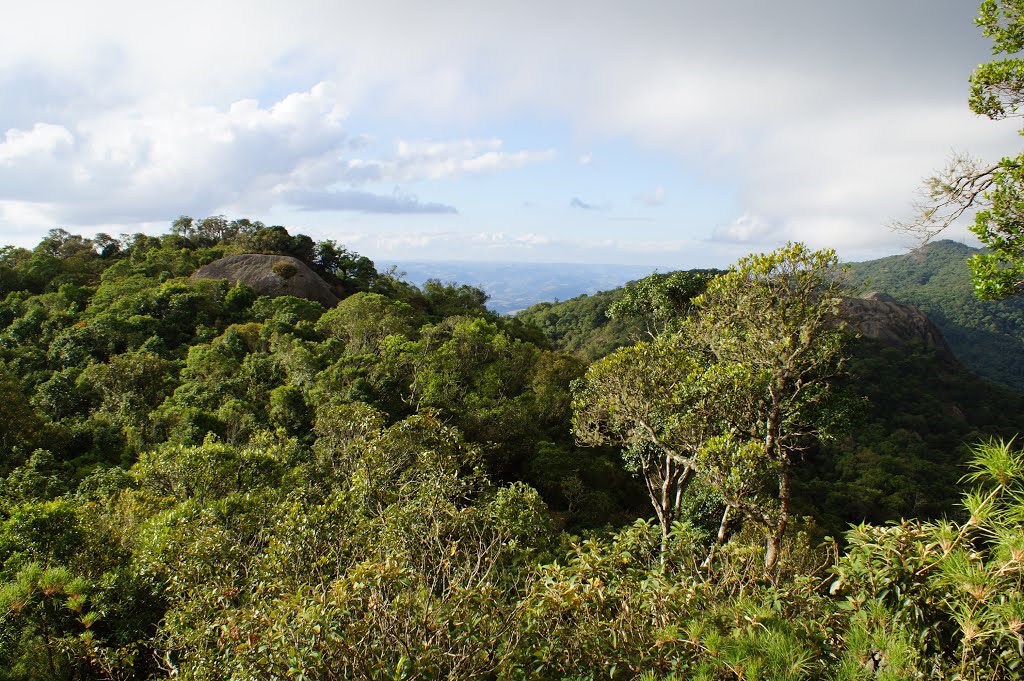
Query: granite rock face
{"points": [[876, 315], [271, 275]]}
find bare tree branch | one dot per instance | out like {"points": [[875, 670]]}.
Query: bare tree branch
{"points": [[946, 196]]}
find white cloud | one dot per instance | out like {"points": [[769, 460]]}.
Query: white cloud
{"points": [[400, 242], [845, 176], [492, 161], [821, 116], [168, 157], [505, 240], [154, 161], [438, 243], [43, 139], [747, 229], [414, 161], [656, 197], [397, 202]]}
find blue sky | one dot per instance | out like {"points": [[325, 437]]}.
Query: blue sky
{"points": [[670, 133]]}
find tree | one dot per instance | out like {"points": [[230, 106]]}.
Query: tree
{"points": [[352, 271], [948, 592], [661, 301], [772, 322], [995, 190], [636, 398], [20, 425], [364, 320], [733, 395], [44, 609], [449, 300], [132, 385]]}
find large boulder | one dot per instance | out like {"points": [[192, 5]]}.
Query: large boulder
{"points": [[271, 275], [876, 315]]}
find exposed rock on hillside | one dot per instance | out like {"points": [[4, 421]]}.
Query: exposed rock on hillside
{"points": [[986, 335], [271, 275], [876, 315]]}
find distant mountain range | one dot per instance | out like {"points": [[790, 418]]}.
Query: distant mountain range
{"points": [[517, 286]]}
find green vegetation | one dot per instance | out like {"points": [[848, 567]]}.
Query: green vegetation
{"points": [[591, 327], [728, 396], [205, 483], [119, 352], [583, 325], [913, 416], [912, 411], [199, 482], [986, 336]]}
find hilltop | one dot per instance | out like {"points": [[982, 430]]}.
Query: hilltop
{"points": [[987, 336]]}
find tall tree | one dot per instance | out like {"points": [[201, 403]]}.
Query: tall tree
{"points": [[634, 398], [774, 317], [733, 395], [661, 301]]}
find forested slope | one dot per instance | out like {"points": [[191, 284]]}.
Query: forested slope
{"points": [[201, 482], [107, 352], [916, 409], [582, 325], [909, 440], [987, 336]]}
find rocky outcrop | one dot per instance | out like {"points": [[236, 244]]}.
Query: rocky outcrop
{"points": [[876, 315], [271, 275]]}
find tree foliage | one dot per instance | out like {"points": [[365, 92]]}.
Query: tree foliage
{"points": [[735, 394]]}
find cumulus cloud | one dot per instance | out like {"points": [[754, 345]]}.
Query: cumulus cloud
{"points": [[444, 243], [169, 157], [399, 242], [503, 239], [748, 229], [43, 139], [413, 161], [148, 163], [820, 116]]}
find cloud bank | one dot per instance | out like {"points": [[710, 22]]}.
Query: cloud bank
{"points": [[817, 117]]}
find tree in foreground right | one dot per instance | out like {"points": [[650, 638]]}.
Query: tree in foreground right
{"points": [[733, 395]]}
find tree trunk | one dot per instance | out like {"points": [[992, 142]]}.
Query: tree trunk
{"points": [[774, 542], [719, 540], [666, 496]]}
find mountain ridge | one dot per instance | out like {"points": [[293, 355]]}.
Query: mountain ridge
{"points": [[986, 336]]}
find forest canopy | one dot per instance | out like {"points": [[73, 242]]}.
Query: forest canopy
{"points": [[203, 482]]}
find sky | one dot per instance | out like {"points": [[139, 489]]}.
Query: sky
{"points": [[664, 132]]}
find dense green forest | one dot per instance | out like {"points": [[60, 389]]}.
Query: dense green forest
{"points": [[203, 482], [582, 326]]}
